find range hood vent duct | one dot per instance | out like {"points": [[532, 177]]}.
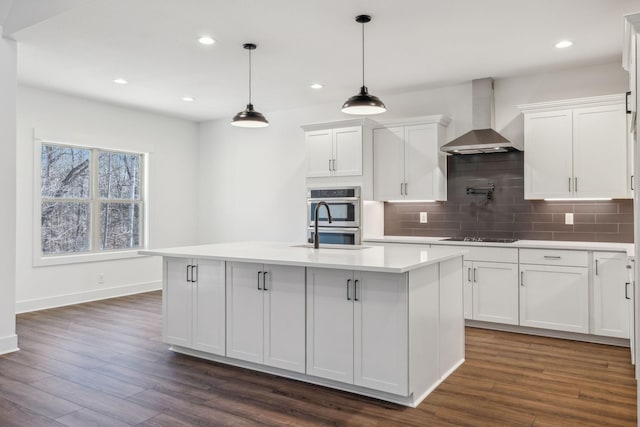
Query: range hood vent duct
{"points": [[483, 138]]}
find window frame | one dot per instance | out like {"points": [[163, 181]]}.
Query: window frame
{"points": [[94, 202]]}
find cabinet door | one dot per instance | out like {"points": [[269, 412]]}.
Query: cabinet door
{"points": [[495, 292], [548, 155], [388, 163], [554, 297], [176, 302], [381, 332], [347, 151], [209, 307], [422, 162], [611, 294], [244, 311], [319, 146], [330, 324], [284, 318], [600, 151], [468, 290]]}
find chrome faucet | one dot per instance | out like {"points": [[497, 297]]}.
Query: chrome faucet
{"points": [[316, 238]]}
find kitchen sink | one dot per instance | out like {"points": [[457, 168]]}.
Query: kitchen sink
{"points": [[327, 246]]}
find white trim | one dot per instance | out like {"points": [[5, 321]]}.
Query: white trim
{"points": [[368, 123], [440, 119], [43, 261], [80, 297], [9, 344], [594, 101]]}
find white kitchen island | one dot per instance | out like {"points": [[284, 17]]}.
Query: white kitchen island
{"points": [[385, 322]]}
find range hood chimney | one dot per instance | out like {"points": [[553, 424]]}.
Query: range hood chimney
{"points": [[483, 138]]}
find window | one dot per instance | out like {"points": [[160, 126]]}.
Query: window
{"points": [[91, 200]]}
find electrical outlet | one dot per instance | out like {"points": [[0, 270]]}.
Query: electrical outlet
{"points": [[423, 217], [568, 218], [101, 278]]}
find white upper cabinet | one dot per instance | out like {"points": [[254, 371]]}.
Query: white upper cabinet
{"points": [[334, 152], [576, 149], [407, 161]]}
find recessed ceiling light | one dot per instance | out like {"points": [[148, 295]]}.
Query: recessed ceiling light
{"points": [[316, 86], [187, 98], [563, 44], [206, 40], [120, 81]]}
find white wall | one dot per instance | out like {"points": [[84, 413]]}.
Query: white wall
{"points": [[8, 339], [172, 144], [252, 181]]}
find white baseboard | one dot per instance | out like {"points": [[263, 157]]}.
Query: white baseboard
{"points": [[80, 297], [9, 344]]}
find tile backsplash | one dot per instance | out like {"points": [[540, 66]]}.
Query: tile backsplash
{"points": [[507, 214]]}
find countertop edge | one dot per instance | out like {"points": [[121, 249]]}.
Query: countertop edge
{"points": [[520, 244]]}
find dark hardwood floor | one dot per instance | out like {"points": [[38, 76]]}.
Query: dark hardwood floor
{"points": [[103, 364]]}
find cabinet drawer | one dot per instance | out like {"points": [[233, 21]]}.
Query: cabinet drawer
{"points": [[554, 257], [483, 253]]}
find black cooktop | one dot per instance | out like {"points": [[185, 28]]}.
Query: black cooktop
{"points": [[480, 239]]}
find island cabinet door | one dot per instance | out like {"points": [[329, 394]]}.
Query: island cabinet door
{"points": [[208, 285], [284, 317], [330, 324], [381, 332], [176, 302], [244, 311]]}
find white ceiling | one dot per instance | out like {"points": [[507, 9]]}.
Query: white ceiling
{"points": [[410, 44]]}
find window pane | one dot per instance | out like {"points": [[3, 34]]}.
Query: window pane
{"points": [[120, 225], [65, 227], [119, 176], [65, 172]]}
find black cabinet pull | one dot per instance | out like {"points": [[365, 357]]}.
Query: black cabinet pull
{"points": [[348, 283], [259, 273], [626, 102], [264, 281], [190, 273], [626, 290], [355, 290], [194, 273]]}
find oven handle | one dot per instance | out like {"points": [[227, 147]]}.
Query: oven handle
{"points": [[322, 229], [332, 199]]}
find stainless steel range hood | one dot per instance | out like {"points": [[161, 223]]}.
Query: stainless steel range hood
{"points": [[483, 138]]}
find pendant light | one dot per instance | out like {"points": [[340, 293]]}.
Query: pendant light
{"points": [[249, 118], [363, 103]]}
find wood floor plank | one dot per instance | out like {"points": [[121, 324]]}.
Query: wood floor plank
{"points": [[121, 409], [86, 417], [14, 415], [103, 363]]}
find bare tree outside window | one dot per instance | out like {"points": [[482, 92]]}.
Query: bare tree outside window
{"points": [[91, 200]]}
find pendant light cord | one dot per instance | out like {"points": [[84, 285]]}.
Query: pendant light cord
{"points": [[363, 54], [249, 76]]}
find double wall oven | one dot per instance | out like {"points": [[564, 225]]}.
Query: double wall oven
{"points": [[345, 206]]}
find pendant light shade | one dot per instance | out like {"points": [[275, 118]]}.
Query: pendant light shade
{"points": [[363, 103], [249, 118]]}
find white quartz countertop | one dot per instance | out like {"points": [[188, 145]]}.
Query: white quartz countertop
{"points": [[529, 244], [390, 259]]}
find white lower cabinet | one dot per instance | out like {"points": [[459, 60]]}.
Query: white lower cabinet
{"points": [[494, 292], [612, 293], [193, 304], [357, 330], [554, 297], [490, 287], [266, 314]]}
